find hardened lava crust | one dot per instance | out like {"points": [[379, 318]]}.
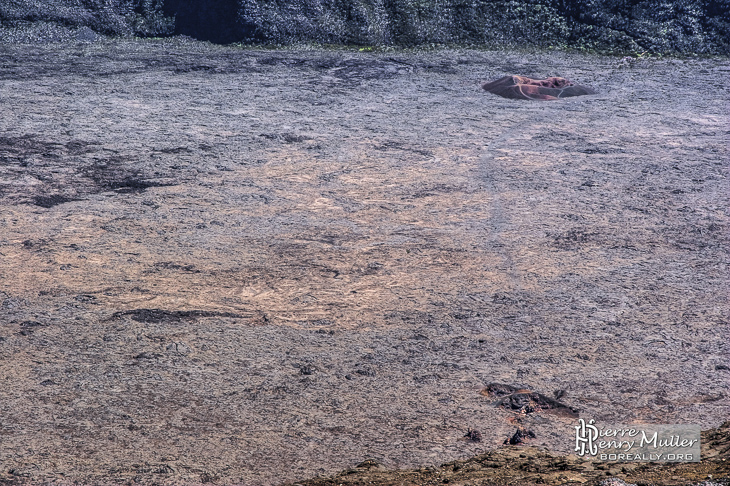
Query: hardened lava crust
{"points": [[257, 266]]}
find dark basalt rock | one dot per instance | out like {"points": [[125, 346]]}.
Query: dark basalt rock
{"points": [[522, 88], [520, 436], [525, 401], [499, 390], [473, 435], [51, 200], [155, 316]]}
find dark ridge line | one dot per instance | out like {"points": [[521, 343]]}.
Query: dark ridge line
{"points": [[161, 315]]}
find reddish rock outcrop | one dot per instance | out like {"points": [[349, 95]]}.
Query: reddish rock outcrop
{"points": [[522, 88]]}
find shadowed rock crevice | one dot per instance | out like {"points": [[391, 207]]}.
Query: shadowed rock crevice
{"points": [[216, 21], [51, 200], [155, 316]]}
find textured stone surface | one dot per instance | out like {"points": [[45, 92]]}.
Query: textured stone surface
{"points": [[638, 27], [520, 465], [251, 266], [522, 88]]}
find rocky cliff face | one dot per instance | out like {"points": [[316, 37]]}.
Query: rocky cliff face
{"points": [[618, 26], [614, 25], [61, 20]]}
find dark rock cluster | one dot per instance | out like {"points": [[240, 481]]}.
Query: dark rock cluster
{"points": [[613, 26]]}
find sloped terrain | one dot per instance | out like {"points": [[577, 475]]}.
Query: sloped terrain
{"points": [[250, 266], [526, 466]]}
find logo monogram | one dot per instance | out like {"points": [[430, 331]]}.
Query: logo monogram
{"points": [[585, 436]]}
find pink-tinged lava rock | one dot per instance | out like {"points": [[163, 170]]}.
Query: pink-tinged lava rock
{"points": [[522, 88]]}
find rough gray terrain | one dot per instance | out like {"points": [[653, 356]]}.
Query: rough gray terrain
{"points": [[252, 266]]}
